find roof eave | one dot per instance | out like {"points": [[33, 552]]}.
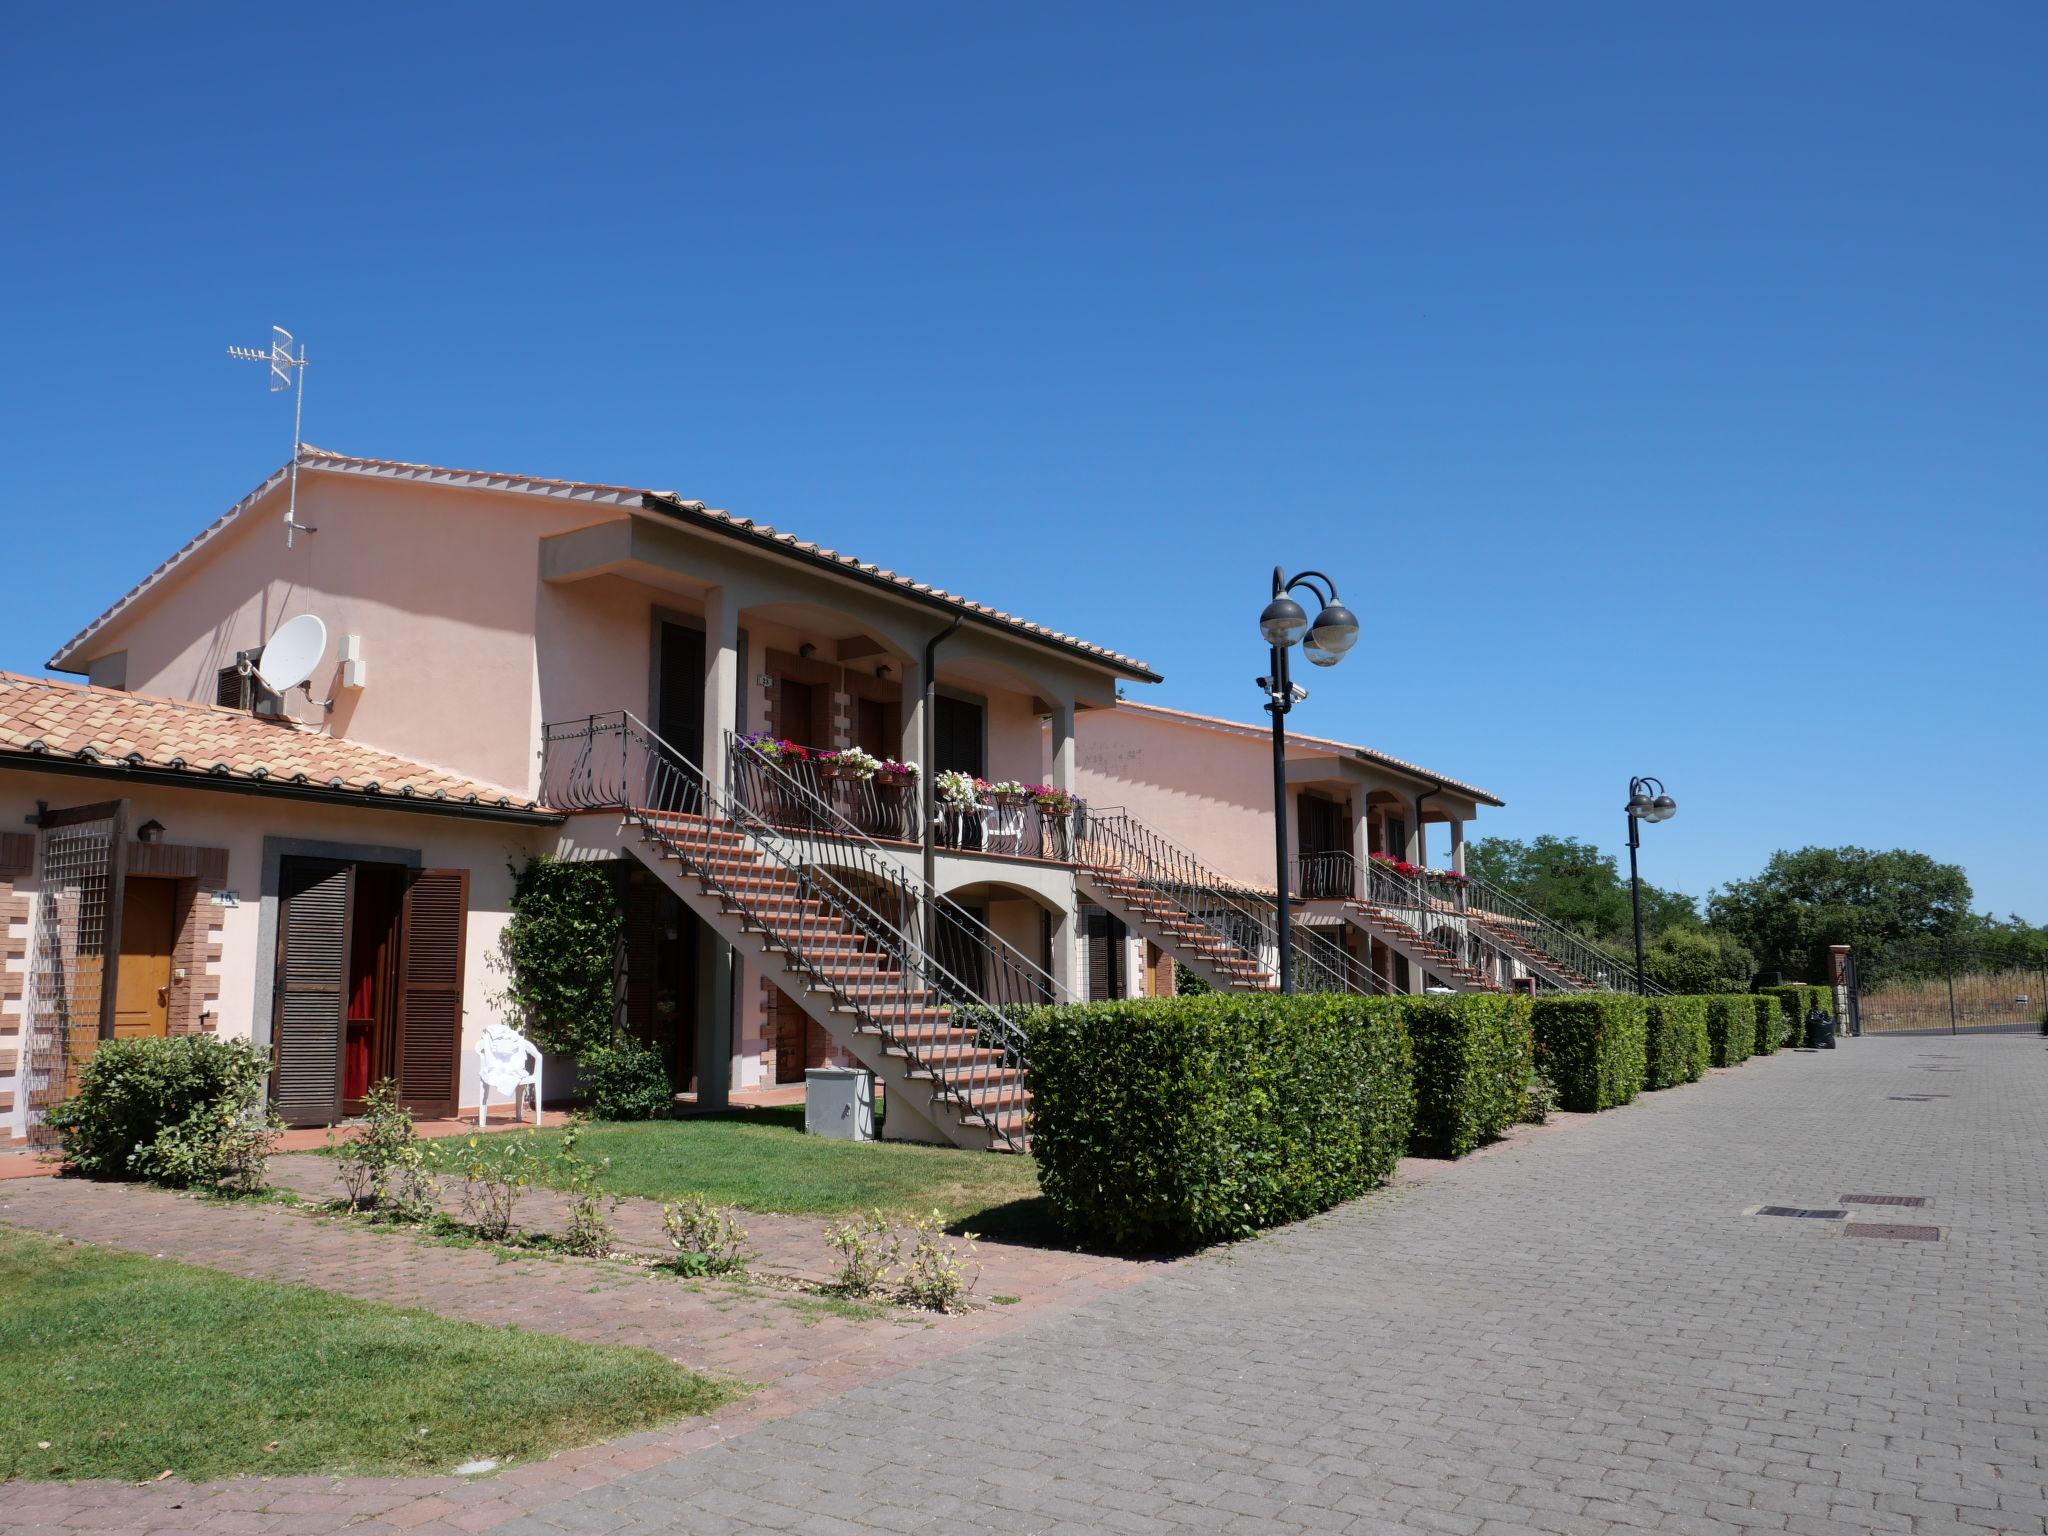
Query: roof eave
{"points": [[698, 516]]}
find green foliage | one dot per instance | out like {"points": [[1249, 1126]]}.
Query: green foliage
{"points": [[1540, 1102], [384, 1164], [1473, 1058], [1804, 901], [868, 1247], [708, 1239], [1795, 1000], [1592, 1045], [934, 1274], [1175, 1121], [561, 948], [1696, 962], [1731, 1028], [590, 1232], [625, 1081], [1186, 983], [191, 1092], [1575, 884], [1770, 1032], [1676, 1047]]}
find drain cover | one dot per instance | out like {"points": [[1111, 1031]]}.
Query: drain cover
{"points": [[1915, 1098], [1888, 1229], [1793, 1210], [1915, 1200]]}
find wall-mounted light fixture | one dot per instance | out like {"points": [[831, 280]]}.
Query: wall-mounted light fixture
{"points": [[151, 831], [806, 650]]}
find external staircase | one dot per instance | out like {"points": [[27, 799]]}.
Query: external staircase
{"points": [[835, 919], [1220, 931]]}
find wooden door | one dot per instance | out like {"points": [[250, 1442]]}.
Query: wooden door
{"points": [[149, 935], [432, 925], [960, 738], [307, 1025], [679, 690]]}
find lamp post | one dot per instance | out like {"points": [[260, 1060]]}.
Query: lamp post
{"points": [[1646, 802], [1282, 625]]}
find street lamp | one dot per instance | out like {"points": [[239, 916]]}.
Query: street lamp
{"points": [[1282, 626], [1646, 802]]}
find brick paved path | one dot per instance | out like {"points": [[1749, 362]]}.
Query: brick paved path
{"points": [[1579, 1332]]}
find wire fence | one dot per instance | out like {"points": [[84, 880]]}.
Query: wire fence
{"points": [[1937, 988]]}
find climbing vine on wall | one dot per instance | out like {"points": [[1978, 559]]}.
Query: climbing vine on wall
{"points": [[561, 949]]}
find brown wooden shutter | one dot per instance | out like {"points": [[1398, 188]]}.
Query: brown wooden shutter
{"points": [[431, 931], [314, 896]]}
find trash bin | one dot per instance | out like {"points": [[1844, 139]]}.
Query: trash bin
{"points": [[1820, 1031], [840, 1102]]}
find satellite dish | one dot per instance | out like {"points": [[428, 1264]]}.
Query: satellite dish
{"points": [[293, 652]]}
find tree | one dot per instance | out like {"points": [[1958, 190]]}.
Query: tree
{"points": [[1574, 884], [1804, 901], [560, 948], [1698, 960]]}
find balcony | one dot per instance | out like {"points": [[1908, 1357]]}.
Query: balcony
{"points": [[785, 782]]}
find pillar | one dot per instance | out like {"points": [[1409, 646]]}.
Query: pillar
{"points": [[721, 679], [1361, 845], [1418, 839], [1063, 751], [1458, 846]]}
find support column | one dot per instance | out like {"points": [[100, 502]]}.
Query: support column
{"points": [[1458, 846], [1361, 846], [1063, 750], [1418, 838], [912, 748], [721, 679]]}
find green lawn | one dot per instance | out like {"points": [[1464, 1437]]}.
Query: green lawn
{"points": [[761, 1160], [129, 1366]]}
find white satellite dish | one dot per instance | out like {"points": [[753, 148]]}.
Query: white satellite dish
{"points": [[293, 652]]}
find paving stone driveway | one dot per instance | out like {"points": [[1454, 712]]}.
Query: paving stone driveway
{"points": [[1579, 1332]]}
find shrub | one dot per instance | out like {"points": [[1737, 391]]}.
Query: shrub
{"points": [[1592, 1046], [1731, 1028], [867, 1247], [590, 1232], [1473, 1057], [1184, 1120], [1794, 1000], [708, 1239], [935, 1274], [218, 1147], [1541, 1099], [626, 1081], [384, 1165], [493, 1179], [561, 950], [131, 1092], [1676, 1047], [1770, 1032]]}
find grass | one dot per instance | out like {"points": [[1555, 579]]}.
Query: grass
{"points": [[761, 1160], [129, 1367]]}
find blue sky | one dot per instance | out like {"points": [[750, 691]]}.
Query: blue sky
{"points": [[1663, 386]]}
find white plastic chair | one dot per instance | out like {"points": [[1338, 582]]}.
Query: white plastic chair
{"points": [[1003, 823], [506, 1061]]}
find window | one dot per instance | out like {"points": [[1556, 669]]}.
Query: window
{"points": [[238, 687]]}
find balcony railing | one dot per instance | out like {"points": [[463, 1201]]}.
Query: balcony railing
{"points": [[884, 804]]}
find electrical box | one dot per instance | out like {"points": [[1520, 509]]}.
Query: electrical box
{"points": [[355, 671], [840, 1102]]}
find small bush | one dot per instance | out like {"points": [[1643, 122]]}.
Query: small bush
{"points": [[935, 1274], [1731, 1028], [1175, 1121], [1473, 1058], [625, 1081], [1539, 1103], [384, 1165], [708, 1239], [867, 1247], [131, 1092], [493, 1180], [217, 1147], [590, 1232], [1592, 1046], [1676, 1046]]}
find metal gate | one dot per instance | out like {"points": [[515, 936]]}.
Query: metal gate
{"points": [[1948, 989]]}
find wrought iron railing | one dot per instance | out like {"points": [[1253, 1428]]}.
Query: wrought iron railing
{"points": [[911, 965], [1246, 920], [886, 806], [1547, 943]]}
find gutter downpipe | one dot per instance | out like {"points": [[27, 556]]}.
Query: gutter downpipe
{"points": [[927, 789]]}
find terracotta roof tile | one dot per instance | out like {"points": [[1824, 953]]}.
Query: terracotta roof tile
{"points": [[75, 722]]}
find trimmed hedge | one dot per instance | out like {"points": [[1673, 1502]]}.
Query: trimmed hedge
{"points": [[1167, 1122], [1592, 1046], [1676, 1047], [1770, 1033], [1731, 1028], [1793, 1000], [1473, 1057]]}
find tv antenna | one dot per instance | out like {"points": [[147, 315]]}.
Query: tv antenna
{"points": [[286, 372]]}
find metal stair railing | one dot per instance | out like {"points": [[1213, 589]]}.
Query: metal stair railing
{"points": [[1113, 838], [616, 762], [1549, 940], [1431, 913]]}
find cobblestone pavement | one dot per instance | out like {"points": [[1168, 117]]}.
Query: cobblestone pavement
{"points": [[796, 1351], [1583, 1331]]}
